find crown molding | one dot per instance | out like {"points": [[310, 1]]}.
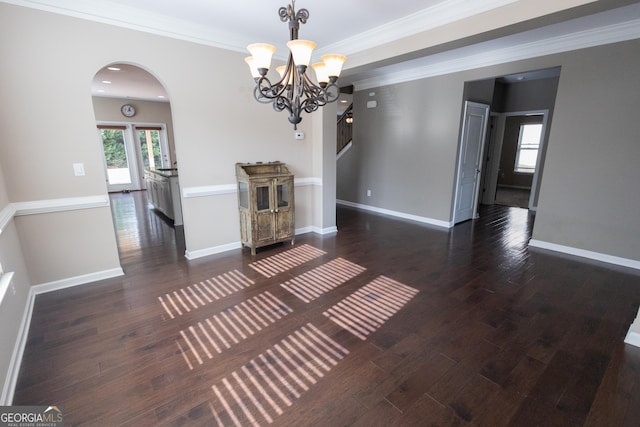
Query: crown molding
{"points": [[117, 14], [443, 13], [471, 57], [440, 14]]}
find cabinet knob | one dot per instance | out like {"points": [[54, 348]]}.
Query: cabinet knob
{"points": [[276, 210], [271, 210]]}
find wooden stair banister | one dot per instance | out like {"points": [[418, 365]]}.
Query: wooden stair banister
{"points": [[344, 129]]}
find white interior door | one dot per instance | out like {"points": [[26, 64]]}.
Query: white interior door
{"points": [[474, 131]]}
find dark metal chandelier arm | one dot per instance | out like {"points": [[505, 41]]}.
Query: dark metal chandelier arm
{"points": [[260, 97], [282, 103], [272, 91], [264, 91], [267, 90]]}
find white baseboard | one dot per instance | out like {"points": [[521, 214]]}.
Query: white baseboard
{"points": [[305, 230], [327, 230], [344, 150], [77, 280], [199, 253], [422, 219], [597, 256], [317, 230], [11, 379], [633, 336]]}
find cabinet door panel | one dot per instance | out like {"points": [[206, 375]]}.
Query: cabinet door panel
{"points": [[262, 197], [282, 195], [285, 219], [284, 225], [265, 226]]}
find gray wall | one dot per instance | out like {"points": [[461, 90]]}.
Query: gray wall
{"points": [[589, 193], [405, 149], [397, 147], [525, 96]]}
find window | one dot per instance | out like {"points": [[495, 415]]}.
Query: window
{"points": [[150, 148], [129, 149], [528, 146], [115, 154]]}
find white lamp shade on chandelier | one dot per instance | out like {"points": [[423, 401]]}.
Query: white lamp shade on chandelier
{"points": [[301, 51], [295, 91]]}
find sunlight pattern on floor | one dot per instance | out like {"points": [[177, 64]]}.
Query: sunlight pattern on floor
{"points": [[229, 327], [200, 294], [368, 308], [264, 387], [320, 280], [286, 260]]}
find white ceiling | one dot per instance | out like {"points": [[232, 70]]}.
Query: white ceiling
{"points": [[128, 81], [346, 27]]}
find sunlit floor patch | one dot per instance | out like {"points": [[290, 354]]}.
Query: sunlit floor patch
{"points": [[200, 294], [229, 327], [320, 280], [368, 308], [262, 389], [286, 260]]}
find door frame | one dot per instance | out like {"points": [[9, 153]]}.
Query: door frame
{"points": [[496, 153], [165, 157], [134, 154], [479, 162], [132, 158]]}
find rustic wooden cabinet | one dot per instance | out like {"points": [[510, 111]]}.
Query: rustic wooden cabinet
{"points": [[265, 204]]}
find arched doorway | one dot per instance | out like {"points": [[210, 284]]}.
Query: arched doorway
{"points": [[135, 133], [133, 117]]}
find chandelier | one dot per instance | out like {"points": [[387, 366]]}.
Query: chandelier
{"points": [[295, 91]]}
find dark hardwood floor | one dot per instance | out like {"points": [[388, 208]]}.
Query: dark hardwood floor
{"points": [[387, 322]]}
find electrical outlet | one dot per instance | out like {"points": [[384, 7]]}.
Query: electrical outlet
{"points": [[368, 193], [299, 135]]}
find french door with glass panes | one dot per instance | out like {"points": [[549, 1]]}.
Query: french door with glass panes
{"points": [[129, 149]]}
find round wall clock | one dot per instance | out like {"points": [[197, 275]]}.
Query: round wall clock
{"points": [[128, 110]]}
